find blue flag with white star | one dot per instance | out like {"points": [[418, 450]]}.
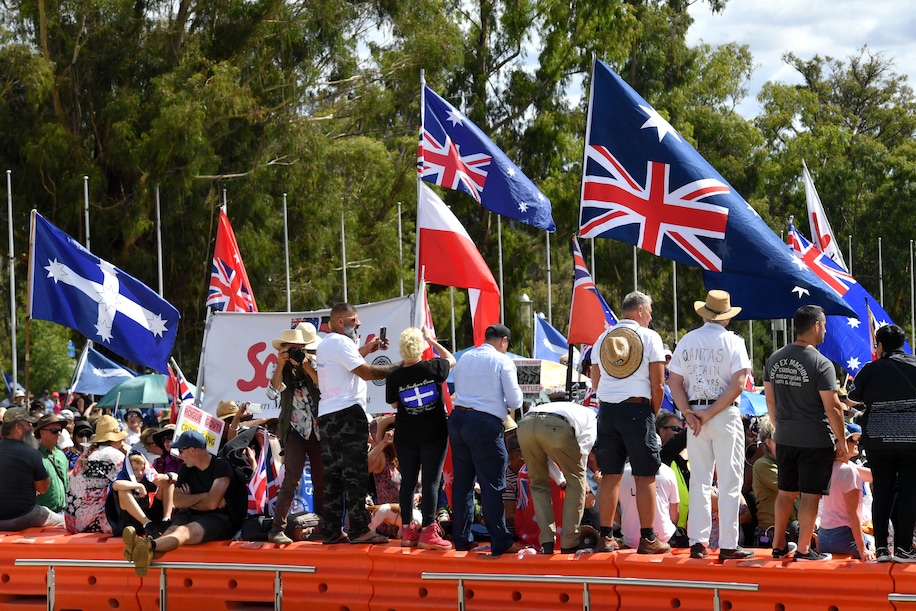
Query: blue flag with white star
{"points": [[72, 287], [454, 153], [848, 341], [549, 344], [645, 185]]}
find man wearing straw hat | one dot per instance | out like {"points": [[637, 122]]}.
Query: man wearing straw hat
{"points": [[630, 373], [708, 370]]}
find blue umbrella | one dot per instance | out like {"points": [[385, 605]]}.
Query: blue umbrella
{"points": [[752, 404]]}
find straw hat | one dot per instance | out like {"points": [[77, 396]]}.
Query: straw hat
{"points": [[309, 335], [718, 306], [226, 410], [289, 336], [621, 352], [107, 429]]}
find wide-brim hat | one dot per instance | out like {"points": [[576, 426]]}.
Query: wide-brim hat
{"points": [[309, 335], [49, 419], [289, 336], [166, 432], [621, 352], [226, 410], [718, 306], [107, 429]]}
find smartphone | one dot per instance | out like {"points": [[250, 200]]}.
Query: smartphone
{"points": [[253, 408], [383, 334]]}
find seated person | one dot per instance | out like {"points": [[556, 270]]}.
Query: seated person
{"points": [[213, 495], [140, 498], [841, 510], [673, 433], [666, 508], [166, 461]]}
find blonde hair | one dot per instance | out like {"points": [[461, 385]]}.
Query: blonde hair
{"points": [[137, 460], [412, 344]]}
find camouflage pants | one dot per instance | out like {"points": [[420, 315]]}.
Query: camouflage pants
{"points": [[344, 438]]}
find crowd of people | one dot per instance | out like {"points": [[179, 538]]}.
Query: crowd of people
{"points": [[824, 472]]}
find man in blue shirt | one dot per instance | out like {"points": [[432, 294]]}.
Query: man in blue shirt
{"points": [[486, 390]]}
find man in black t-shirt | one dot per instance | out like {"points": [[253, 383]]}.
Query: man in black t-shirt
{"points": [[214, 499]]}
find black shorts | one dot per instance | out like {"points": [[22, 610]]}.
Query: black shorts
{"points": [[806, 470], [627, 430], [217, 525]]}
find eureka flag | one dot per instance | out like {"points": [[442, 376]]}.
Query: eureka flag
{"points": [[230, 290], [455, 154], [645, 185], [72, 287]]}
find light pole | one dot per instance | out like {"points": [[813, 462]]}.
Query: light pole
{"points": [[526, 314]]}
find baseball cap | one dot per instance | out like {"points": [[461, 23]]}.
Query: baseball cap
{"points": [[190, 439], [852, 430], [497, 331], [18, 414]]}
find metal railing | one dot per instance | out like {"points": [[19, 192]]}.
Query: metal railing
{"points": [[901, 598], [277, 569], [715, 586]]}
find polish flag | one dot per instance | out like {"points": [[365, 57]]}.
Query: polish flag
{"points": [[450, 258]]}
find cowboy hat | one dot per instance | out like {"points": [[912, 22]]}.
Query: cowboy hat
{"points": [[309, 335], [718, 306], [289, 336], [621, 352], [48, 419], [226, 409], [107, 429]]}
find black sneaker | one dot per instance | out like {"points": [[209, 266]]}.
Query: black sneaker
{"points": [[883, 555], [904, 555], [784, 552], [739, 553], [813, 555], [698, 550]]}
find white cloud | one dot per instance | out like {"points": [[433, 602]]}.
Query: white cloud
{"points": [[835, 28]]}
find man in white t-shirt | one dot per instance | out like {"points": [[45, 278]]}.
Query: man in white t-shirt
{"points": [[666, 506], [342, 376], [708, 372]]}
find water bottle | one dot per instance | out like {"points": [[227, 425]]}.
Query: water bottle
{"points": [[527, 551], [582, 552]]}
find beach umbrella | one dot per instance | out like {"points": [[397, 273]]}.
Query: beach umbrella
{"points": [[752, 404], [144, 391]]}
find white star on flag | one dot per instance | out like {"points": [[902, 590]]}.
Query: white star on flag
{"points": [[658, 122], [853, 364], [853, 322]]}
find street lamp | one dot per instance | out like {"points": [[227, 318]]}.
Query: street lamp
{"points": [[526, 314]]}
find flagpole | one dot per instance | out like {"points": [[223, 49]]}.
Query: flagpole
{"points": [[593, 261], [78, 369], [912, 304], [674, 288], [452, 300], [28, 306], [343, 251], [549, 291], [635, 283], [502, 293], [86, 208], [850, 254], [880, 275], [159, 239], [289, 303], [12, 263], [416, 258], [400, 252]]}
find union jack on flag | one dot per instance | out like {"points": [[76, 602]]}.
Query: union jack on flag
{"points": [[644, 184], [263, 487], [230, 290], [836, 278], [454, 153], [589, 313]]}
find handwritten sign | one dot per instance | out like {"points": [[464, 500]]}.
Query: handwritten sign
{"points": [[192, 419]]}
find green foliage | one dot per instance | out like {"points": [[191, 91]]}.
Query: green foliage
{"points": [[50, 366]]}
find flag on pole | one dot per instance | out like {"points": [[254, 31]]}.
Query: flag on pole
{"points": [[263, 486], [230, 290], [549, 344], [72, 287], [179, 389], [455, 154], [589, 313], [644, 184], [850, 340], [448, 257], [96, 374], [821, 232], [873, 326]]}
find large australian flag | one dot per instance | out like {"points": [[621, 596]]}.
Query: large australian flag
{"points": [[72, 287], [454, 153], [848, 340], [646, 185]]}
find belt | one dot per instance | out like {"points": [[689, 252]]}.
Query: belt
{"points": [[560, 416], [707, 402], [462, 408], [640, 400]]}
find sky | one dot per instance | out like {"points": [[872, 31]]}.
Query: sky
{"points": [[835, 28]]}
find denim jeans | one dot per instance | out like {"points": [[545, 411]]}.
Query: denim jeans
{"points": [[837, 541]]}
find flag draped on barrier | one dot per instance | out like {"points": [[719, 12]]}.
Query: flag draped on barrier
{"points": [[72, 287], [230, 290], [644, 184]]}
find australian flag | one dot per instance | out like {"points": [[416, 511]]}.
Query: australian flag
{"points": [[645, 185], [455, 154], [589, 313], [72, 287], [96, 374], [848, 341]]}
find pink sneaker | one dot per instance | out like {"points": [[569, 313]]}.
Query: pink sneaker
{"points": [[410, 535], [431, 538]]}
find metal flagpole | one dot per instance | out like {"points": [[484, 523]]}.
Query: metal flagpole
{"points": [[343, 252], [502, 293], [880, 274], [593, 260], [674, 288], [549, 292], [850, 254], [400, 251], [224, 202], [12, 263], [452, 300], [86, 208], [289, 298], [635, 283], [159, 239], [912, 304]]}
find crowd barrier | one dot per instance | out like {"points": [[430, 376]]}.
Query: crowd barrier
{"points": [[389, 578]]}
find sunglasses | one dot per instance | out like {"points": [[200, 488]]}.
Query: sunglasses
{"points": [[54, 431], [674, 427]]}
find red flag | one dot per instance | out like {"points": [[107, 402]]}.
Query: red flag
{"points": [[589, 313], [448, 257], [230, 290]]}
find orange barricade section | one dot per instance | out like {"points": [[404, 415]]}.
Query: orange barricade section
{"points": [[904, 578]]}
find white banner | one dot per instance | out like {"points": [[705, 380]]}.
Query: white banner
{"points": [[192, 419], [239, 359]]}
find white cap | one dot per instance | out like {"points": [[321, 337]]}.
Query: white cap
{"points": [[65, 440]]}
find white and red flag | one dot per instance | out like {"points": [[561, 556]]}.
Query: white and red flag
{"points": [[450, 258], [230, 290]]}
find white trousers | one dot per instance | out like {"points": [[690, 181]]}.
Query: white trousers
{"points": [[719, 447]]}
